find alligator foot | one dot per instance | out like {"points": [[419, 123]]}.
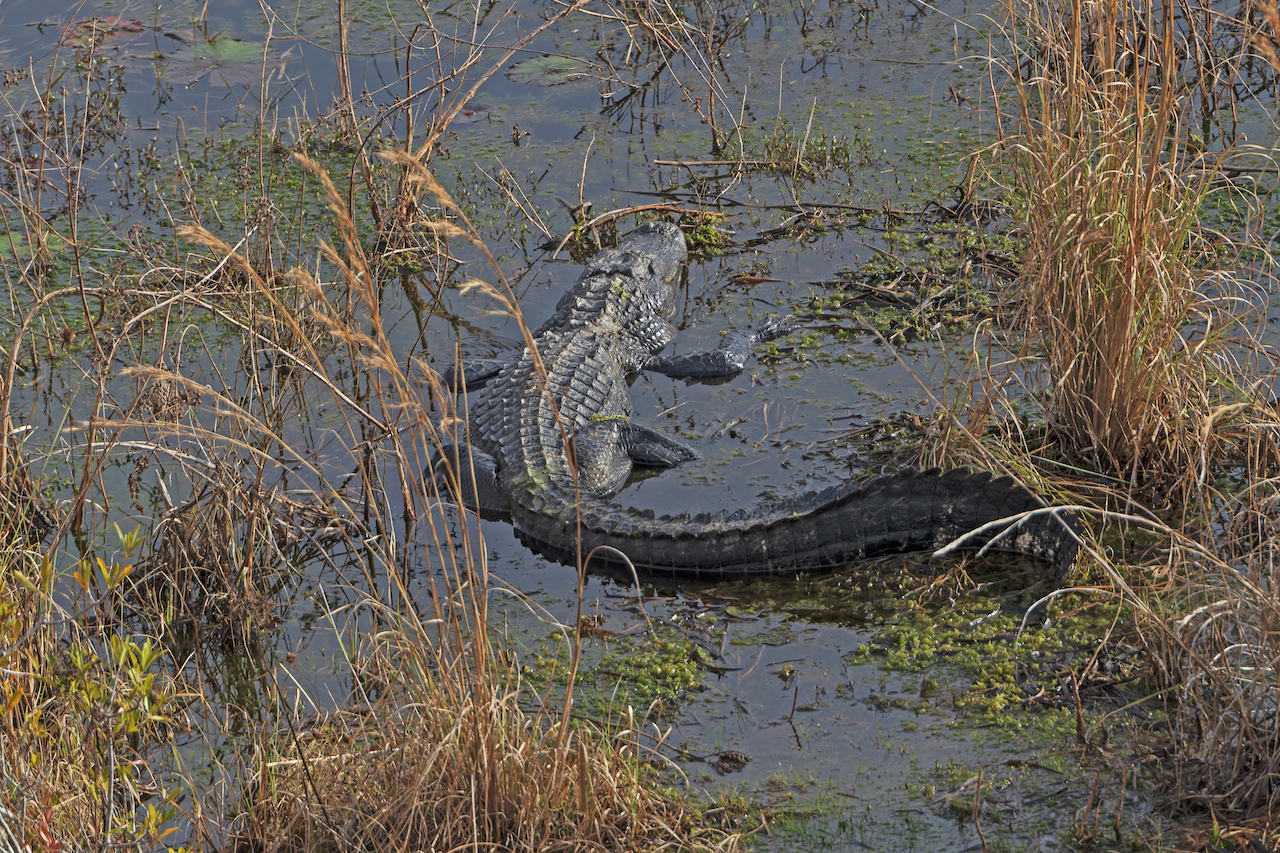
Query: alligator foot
{"points": [[606, 450], [472, 375], [728, 359], [774, 326]]}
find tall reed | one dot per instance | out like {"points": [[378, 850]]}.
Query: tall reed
{"points": [[1113, 263], [1148, 347]]}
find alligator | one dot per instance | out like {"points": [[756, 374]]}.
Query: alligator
{"points": [[550, 440]]}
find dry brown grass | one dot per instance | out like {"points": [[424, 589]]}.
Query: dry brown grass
{"points": [[1114, 267], [449, 758], [1225, 660], [1144, 328]]}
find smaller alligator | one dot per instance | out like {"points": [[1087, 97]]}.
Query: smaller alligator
{"points": [[551, 440]]}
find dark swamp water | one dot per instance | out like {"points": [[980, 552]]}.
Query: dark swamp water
{"points": [[858, 697]]}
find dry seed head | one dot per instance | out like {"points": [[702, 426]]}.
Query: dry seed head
{"points": [[335, 200], [1269, 14], [476, 284], [444, 229], [507, 308], [421, 174], [199, 235], [1264, 46], [304, 280]]}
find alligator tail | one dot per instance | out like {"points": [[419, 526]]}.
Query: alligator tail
{"points": [[905, 512]]}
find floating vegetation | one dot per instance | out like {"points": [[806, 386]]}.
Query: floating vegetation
{"points": [[229, 61], [549, 70], [101, 30]]}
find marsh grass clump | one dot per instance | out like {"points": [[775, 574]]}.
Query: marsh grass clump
{"points": [[1143, 317], [25, 516], [451, 757], [218, 561], [1118, 274], [1224, 660], [1210, 640]]}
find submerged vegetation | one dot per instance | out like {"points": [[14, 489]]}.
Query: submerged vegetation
{"points": [[235, 614]]}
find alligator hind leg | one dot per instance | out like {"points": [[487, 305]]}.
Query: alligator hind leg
{"points": [[472, 375], [728, 359], [652, 449], [606, 450], [482, 492]]}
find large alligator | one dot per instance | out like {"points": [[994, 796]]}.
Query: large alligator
{"points": [[550, 440]]}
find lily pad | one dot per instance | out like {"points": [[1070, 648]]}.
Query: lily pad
{"points": [[549, 70], [236, 63], [100, 29]]}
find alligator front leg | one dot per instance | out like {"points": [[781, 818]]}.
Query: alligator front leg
{"points": [[606, 450], [728, 359]]}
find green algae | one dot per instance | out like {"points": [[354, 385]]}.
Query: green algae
{"points": [[706, 234], [617, 671], [966, 639]]}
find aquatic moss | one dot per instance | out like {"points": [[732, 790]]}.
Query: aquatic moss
{"points": [[979, 641], [621, 670], [706, 233]]}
